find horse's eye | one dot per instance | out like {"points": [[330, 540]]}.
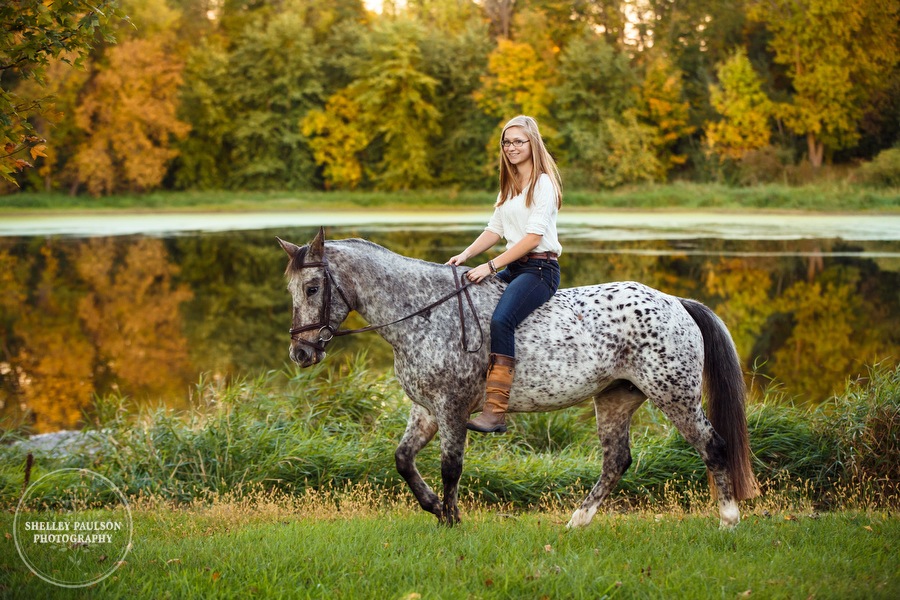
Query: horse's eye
{"points": [[311, 290]]}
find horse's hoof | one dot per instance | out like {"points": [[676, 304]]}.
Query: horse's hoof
{"points": [[729, 515], [449, 516], [581, 518]]}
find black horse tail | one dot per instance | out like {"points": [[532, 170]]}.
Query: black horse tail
{"points": [[723, 381]]}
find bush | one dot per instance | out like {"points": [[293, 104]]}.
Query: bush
{"points": [[765, 165], [326, 427], [884, 170]]}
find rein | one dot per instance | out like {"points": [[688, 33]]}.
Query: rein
{"points": [[327, 332]]}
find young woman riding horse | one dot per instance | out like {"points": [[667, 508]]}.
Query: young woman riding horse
{"points": [[525, 215]]}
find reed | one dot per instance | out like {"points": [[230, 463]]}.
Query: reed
{"points": [[291, 431]]}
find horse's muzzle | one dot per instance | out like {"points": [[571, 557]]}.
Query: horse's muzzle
{"points": [[305, 356]]}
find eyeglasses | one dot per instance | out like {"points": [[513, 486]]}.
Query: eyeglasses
{"points": [[515, 143]]}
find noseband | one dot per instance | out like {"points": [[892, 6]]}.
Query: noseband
{"points": [[327, 332]]}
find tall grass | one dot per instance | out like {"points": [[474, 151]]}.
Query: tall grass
{"points": [[821, 196], [334, 426]]}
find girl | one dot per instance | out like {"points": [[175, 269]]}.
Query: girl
{"points": [[525, 215]]}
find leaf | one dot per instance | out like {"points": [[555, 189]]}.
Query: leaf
{"points": [[38, 150]]}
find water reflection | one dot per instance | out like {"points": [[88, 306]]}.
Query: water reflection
{"points": [[144, 316]]}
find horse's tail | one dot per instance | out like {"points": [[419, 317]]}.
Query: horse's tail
{"points": [[724, 383]]}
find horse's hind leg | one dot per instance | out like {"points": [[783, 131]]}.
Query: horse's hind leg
{"points": [[614, 409], [687, 415], [420, 429]]}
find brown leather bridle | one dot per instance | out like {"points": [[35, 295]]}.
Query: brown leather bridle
{"points": [[328, 332]]}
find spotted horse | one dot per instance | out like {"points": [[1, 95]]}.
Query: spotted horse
{"points": [[616, 343]]}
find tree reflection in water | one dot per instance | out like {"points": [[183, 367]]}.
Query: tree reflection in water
{"points": [[145, 316]]}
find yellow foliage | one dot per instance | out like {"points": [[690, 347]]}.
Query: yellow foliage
{"points": [[336, 138], [129, 118]]}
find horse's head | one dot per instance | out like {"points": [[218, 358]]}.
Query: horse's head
{"points": [[317, 311]]}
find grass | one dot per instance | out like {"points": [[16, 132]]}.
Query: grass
{"points": [[283, 485], [339, 424], [304, 548], [827, 196]]}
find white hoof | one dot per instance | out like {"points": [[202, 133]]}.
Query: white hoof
{"points": [[581, 518], [729, 515]]}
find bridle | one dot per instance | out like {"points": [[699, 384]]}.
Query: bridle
{"points": [[327, 331]]}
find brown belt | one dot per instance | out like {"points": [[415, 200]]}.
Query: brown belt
{"points": [[539, 256]]}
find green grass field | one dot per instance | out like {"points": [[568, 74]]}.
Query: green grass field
{"points": [[827, 196], [284, 486], [260, 549]]}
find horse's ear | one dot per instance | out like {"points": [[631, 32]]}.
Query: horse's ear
{"points": [[290, 248], [317, 246]]}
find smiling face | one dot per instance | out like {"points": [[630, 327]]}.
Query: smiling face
{"points": [[516, 146]]}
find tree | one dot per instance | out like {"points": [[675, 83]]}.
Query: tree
{"points": [[630, 153], [595, 84], [518, 82], [396, 100], [838, 54], [744, 106], [32, 34], [662, 106], [246, 97], [337, 138], [129, 120]]}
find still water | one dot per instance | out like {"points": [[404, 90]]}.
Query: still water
{"points": [[142, 305]]}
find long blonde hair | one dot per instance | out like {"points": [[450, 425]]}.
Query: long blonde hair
{"points": [[541, 160]]}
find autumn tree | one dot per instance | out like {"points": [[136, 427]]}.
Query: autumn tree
{"points": [[662, 106], [337, 137], [32, 34], [398, 118], [745, 108], [129, 119], [837, 54], [517, 82]]}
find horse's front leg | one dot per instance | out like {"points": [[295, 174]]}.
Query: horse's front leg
{"points": [[452, 424], [420, 429]]}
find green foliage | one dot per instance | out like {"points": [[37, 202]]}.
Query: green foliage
{"points": [[631, 153], [327, 426], [883, 170], [33, 33], [245, 103], [596, 85], [745, 109], [397, 97], [837, 54]]}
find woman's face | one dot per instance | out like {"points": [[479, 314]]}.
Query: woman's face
{"points": [[516, 145]]}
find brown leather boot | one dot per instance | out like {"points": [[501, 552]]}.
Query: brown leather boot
{"points": [[492, 419]]}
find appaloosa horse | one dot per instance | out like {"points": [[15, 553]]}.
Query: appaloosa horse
{"points": [[617, 343]]}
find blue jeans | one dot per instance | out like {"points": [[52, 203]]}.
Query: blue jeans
{"points": [[530, 285]]}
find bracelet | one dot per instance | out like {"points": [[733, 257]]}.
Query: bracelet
{"points": [[492, 267]]}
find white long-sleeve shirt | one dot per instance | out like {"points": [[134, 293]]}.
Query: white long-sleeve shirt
{"points": [[513, 220]]}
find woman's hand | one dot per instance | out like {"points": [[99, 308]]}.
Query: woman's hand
{"points": [[479, 273], [458, 260]]}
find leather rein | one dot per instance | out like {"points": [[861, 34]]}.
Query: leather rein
{"points": [[327, 332]]}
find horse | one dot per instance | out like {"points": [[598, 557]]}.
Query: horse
{"points": [[617, 343]]}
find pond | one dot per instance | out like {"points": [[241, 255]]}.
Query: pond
{"points": [[142, 305]]}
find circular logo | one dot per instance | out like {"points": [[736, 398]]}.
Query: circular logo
{"points": [[73, 528]]}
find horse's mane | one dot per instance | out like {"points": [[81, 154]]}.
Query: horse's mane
{"points": [[297, 261]]}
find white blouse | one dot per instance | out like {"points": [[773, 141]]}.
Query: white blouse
{"points": [[512, 220]]}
